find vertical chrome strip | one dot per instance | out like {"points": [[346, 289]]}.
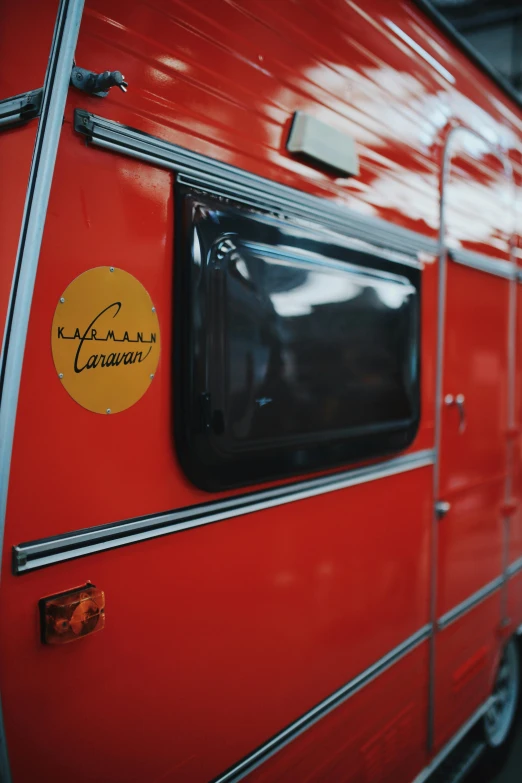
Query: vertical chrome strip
{"points": [[39, 187], [37, 198], [441, 304]]}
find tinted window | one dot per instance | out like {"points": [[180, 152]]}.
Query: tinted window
{"points": [[297, 351]]}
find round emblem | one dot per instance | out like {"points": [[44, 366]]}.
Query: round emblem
{"points": [[105, 340]]}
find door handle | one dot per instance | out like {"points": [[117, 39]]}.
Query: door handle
{"points": [[441, 508], [459, 401]]}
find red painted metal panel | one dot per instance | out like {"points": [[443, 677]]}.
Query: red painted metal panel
{"points": [[379, 735], [16, 150], [466, 662], [109, 210], [478, 197], [515, 538], [25, 43], [473, 461], [219, 637]]}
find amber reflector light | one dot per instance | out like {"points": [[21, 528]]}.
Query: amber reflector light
{"points": [[70, 615]]}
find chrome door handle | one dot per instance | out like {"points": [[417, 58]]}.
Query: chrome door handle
{"points": [[459, 401], [441, 508]]}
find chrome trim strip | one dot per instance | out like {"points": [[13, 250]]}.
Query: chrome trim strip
{"points": [[493, 266], [470, 603], [20, 108], [39, 186], [454, 741], [298, 727], [228, 181], [36, 554], [515, 567], [434, 546]]}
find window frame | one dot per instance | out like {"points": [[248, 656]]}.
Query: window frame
{"points": [[206, 466]]}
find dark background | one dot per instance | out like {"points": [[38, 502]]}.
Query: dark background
{"points": [[494, 28]]}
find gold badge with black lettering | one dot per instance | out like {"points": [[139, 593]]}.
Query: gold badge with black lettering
{"points": [[105, 340]]}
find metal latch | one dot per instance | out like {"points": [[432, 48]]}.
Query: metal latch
{"points": [[459, 401], [441, 508], [97, 84], [19, 109]]}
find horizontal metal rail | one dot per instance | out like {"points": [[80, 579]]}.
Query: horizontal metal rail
{"points": [[474, 600], [228, 181], [20, 109], [36, 554], [310, 718]]}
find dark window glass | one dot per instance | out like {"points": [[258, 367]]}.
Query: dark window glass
{"points": [[298, 350]]}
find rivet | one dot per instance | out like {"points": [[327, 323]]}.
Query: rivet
{"points": [[153, 309], [62, 300], [151, 375], [111, 269], [108, 410], [60, 375]]}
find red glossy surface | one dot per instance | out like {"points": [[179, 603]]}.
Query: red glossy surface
{"points": [[25, 40], [139, 201], [378, 735], [478, 197], [253, 620], [244, 625], [473, 462], [515, 539], [466, 663], [24, 52], [16, 150]]}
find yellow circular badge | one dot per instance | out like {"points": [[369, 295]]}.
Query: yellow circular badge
{"points": [[105, 340]]}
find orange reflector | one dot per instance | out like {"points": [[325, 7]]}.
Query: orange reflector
{"points": [[68, 616]]}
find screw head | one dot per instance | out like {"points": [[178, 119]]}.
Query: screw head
{"points": [[60, 375], [111, 269], [153, 309], [151, 375], [62, 300], [108, 410]]}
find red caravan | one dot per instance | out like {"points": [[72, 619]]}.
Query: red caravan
{"points": [[299, 534]]}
